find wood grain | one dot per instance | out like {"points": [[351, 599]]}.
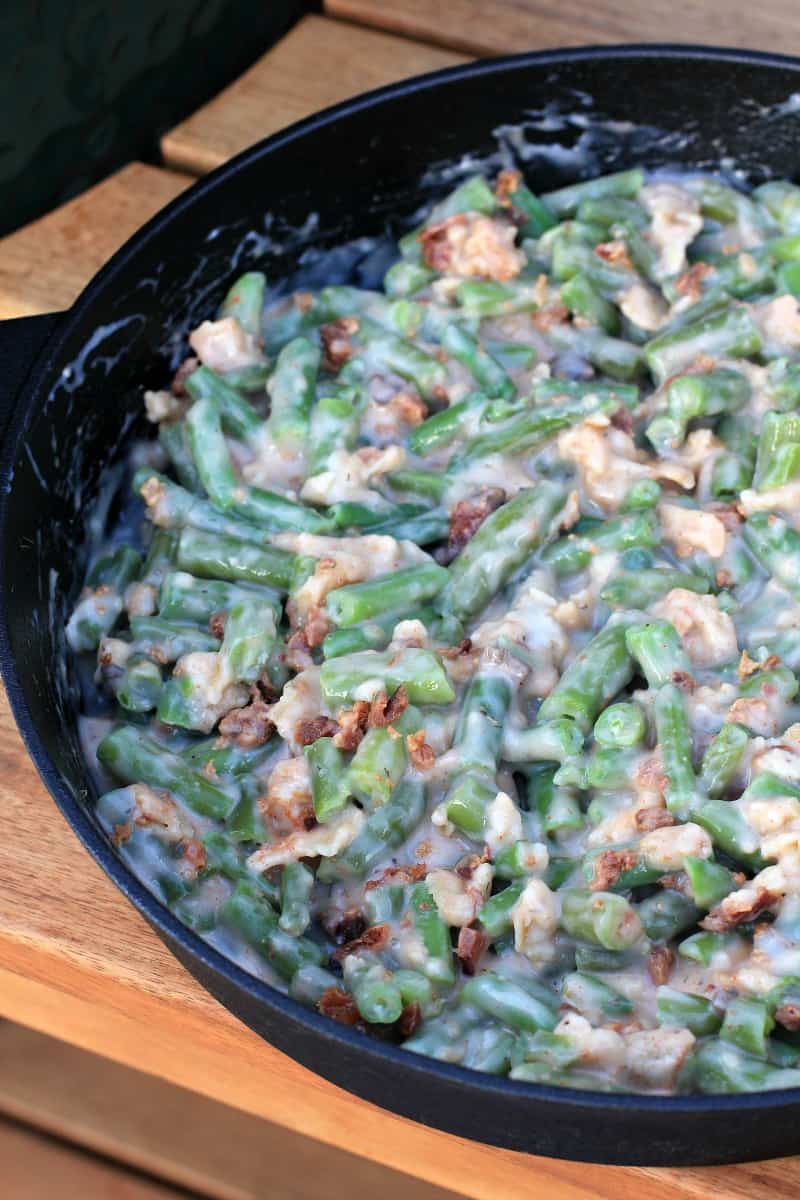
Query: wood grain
{"points": [[318, 63], [508, 26], [77, 962], [44, 265], [174, 1134], [35, 1168]]}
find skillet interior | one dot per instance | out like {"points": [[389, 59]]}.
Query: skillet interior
{"points": [[358, 170]]}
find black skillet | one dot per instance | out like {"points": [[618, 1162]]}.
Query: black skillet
{"points": [[70, 396]]}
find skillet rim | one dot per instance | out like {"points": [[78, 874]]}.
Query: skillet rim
{"points": [[473, 1084]]}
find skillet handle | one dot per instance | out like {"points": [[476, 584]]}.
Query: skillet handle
{"points": [[21, 341]]}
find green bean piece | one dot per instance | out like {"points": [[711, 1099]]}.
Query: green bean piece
{"points": [[183, 597], [250, 914], [695, 1013], [140, 686], [722, 1067], [485, 370], [405, 588], [525, 430], [729, 830], [291, 390], [703, 946], [584, 299], [172, 436], [96, 613], [239, 418], [418, 671], [594, 998], [135, 758], [659, 652], [505, 540], [426, 484], [330, 791], [747, 1025], [692, 396], [377, 767], [384, 829], [438, 965], [215, 556], [514, 1002], [548, 741], [667, 914], [309, 984], [566, 200], [245, 301], [537, 216], [593, 678], [731, 333], [710, 881], [620, 726], [778, 461], [722, 757], [297, 881], [601, 917], [675, 740]]}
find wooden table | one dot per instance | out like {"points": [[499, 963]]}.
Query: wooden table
{"points": [[76, 960]]}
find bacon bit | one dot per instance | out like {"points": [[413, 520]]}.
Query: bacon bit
{"points": [[348, 927], [748, 666], [552, 314], [463, 647], [728, 514], [374, 938], [209, 770], [470, 948], [317, 626], [423, 849], [335, 1002], [413, 873], [689, 282], [409, 1020], [250, 726], [298, 652], [724, 578], [352, 725], [383, 710], [650, 775], [303, 301], [193, 854], [622, 419], [725, 917], [609, 865], [468, 865], [121, 833], [615, 252], [648, 819], [307, 731], [436, 248], [788, 1015], [409, 407], [468, 516], [659, 963], [420, 753], [336, 345], [683, 680], [506, 184], [187, 368], [216, 624]]}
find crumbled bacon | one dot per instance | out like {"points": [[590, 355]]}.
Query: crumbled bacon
{"points": [[468, 516], [436, 248], [468, 865], [193, 857], [187, 368], [684, 680], [420, 753], [729, 913], [384, 710], [303, 301], [335, 1002], [552, 314], [689, 283], [748, 666], [352, 725], [250, 726], [409, 407], [650, 775], [316, 627], [347, 927], [336, 345], [409, 1020], [654, 817], [506, 184], [398, 875], [307, 731], [469, 950], [660, 962], [216, 624], [374, 938], [622, 419], [609, 865], [463, 647], [788, 1015], [615, 252], [121, 833], [298, 652]]}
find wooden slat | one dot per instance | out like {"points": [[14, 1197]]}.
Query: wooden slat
{"points": [[34, 1168], [508, 26], [44, 265], [318, 63], [77, 962], [174, 1134]]}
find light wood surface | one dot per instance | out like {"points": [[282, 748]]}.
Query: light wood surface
{"points": [[44, 265], [508, 26], [176, 1135], [318, 63], [78, 963], [34, 1168]]}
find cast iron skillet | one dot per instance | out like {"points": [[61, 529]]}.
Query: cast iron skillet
{"points": [[358, 166]]}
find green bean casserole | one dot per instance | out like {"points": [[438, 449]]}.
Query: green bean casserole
{"points": [[453, 687]]}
